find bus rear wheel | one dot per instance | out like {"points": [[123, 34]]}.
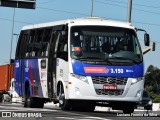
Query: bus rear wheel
{"points": [[32, 102], [27, 98]]}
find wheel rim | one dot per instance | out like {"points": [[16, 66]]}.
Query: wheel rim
{"points": [[61, 99]]}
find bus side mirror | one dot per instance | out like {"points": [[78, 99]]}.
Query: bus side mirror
{"points": [[146, 39]]}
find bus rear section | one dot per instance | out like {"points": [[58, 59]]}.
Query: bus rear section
{"points": [[35, 63]]}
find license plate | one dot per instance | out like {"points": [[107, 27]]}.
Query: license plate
{"points": [[110, 87]]}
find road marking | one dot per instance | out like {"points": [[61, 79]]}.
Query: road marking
{"points": [[68, 118], [9, 108], [83, 118], [96, 118]]}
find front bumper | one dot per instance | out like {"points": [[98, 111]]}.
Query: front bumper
{"points": [[80, 90]]}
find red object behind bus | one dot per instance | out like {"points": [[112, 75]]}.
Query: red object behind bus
{"points": [[6, 74]]}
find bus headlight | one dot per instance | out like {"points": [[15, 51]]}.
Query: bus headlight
{"points": [[80, 77], [135, 80]]}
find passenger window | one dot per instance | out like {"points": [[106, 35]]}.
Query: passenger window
{"points": [[63, 48], [38, 43]]}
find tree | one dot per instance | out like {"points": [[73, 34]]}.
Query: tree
{"points": [[152, 82], [152, 76]]}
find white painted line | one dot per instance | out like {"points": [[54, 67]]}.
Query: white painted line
{"points": [[83, 118], [9, 108], [68, 118], [96, 118]]}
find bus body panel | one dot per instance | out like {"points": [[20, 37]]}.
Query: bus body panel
{"points": [[63, 74], [31, 74], [43, 77], [102, 70], [80, 90], [17, 76]]}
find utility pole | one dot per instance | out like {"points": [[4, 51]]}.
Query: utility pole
{"points": [[92, 9], [12, 36], [129, 11]]}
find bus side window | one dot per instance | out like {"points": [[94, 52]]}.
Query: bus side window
{"points": [[21, 46], [33, 53], [45, 42], [44, 49], [63, 49]]}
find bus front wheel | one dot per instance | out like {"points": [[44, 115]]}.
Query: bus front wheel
{"points": [[128, 110], [63, 103]]}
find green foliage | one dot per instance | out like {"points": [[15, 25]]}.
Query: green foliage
{"points": [[152, 83], [155, 97], [148, 89]]}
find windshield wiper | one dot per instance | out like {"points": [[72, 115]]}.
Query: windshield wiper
{"points": [[123, 58]]}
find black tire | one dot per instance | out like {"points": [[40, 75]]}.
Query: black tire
{"points": [[89, 107], [1, 95], [128, 110], [148, 107], [83, 106], [27, 98], [32, 102], [36, 103], [63, 103]]}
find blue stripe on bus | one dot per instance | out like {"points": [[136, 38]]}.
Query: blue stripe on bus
{"points": [[27, 70], [101, 70]]}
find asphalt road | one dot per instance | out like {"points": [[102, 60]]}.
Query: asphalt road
{"points": [[50, 112]]}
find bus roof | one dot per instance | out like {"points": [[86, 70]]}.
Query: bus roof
{"points": [[83, 21]]}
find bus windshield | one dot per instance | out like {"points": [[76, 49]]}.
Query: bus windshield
{"points": [[113, 44]]}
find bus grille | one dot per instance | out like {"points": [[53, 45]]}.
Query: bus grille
{"points": [[109, 80], [109, 92]]}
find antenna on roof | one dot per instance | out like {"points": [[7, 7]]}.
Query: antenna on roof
{"points": [[92, 9]]}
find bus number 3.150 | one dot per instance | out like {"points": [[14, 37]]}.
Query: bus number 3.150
{"points": [[116, 70]]}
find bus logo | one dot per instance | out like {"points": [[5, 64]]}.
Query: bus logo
{"points": [[109, 80], [96, 70], [17, 65]]}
